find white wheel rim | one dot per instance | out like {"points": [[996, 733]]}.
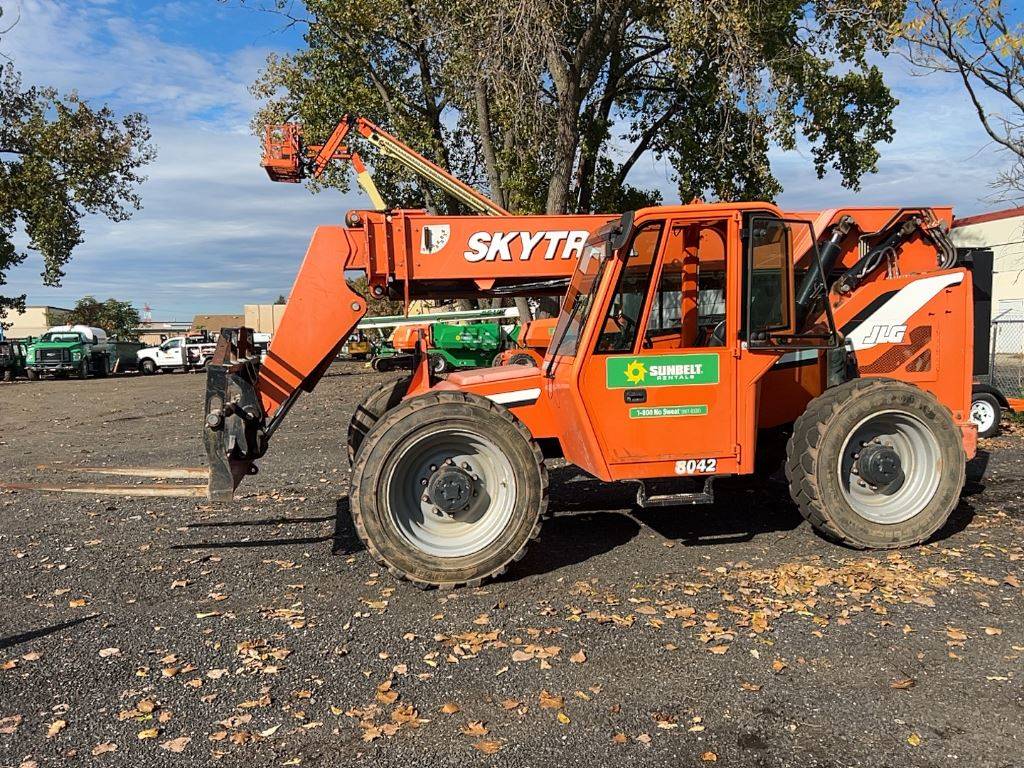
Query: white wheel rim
{"points": [[983, 415], [920, 459], [467, 531]]}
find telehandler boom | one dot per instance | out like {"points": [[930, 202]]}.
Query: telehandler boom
{"points": [[685, 331]]}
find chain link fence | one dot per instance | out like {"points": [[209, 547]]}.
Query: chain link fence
{"points": [[1006, 363]]}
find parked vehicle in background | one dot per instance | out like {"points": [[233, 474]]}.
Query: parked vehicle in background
{"points": [[179, 353], [358, 346], [262, 343], [12, 358], [64, 350]]}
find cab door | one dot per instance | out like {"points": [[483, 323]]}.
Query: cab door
{"points": [[659, 384]]}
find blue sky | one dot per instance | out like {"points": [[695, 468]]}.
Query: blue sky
{"points": [[215, 234]]}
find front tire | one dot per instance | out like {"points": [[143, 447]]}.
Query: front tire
{"points": [[448, 489], [986, 413], [876, 464], [148, 367]]}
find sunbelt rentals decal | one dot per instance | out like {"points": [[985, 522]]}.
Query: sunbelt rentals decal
{"points": [[661, 370]]}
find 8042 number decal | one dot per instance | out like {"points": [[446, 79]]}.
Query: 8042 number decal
{"points": [[696, 466]]}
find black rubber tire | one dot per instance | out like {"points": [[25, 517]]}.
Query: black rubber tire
{"points": [[104, 369], [368, 412], [83, 370], [148, 367], [8, 374], [372, 468], [521, 358], [496, 362], [32, 375], [438, 364], [993, 401], [813, 454]]}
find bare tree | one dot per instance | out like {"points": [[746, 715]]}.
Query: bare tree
{"points": [[975, 40]]}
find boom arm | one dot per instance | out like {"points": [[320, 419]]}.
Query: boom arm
{"points": [[286, 158]]}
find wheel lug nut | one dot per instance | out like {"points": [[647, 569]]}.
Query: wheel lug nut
{"points": [[425, 499], [449, 461], [465, 466], [433, 467], [423, 482]]}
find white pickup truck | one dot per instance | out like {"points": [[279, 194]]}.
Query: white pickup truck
{"points": [[186, 353]]}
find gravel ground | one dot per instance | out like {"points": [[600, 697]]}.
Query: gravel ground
{"points": [[156, 631]]}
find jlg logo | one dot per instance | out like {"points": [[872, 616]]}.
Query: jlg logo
{"points": [[885, 334], [500, 246]]}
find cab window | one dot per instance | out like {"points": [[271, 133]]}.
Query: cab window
{"points": [[688, 308], [768, 275], [622, 321], [172, 344]]}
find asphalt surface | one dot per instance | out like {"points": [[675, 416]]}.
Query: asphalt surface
{"points": [[164, 631]]}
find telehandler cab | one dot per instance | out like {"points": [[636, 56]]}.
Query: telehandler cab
{"points": [[684, 332]]}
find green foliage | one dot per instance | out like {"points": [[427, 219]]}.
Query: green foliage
{"points": [[281, 299], [549, 104], [61, 159], [117, 318]]}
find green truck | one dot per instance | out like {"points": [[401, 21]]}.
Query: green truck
{"points": [[450, 347], [12, 358], [78, 350]]}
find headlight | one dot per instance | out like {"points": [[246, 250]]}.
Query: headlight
{"points": [[76, 354]]}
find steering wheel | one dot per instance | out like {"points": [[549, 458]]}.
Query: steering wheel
{"points": [[717, 336]]}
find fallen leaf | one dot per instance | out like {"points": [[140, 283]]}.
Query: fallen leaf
{"points": [[149, 733], [550, 701], [563, 718], [78, 604], [619, 738], [750, 686], [55, 727], [176, 745], [902, 685], [106, 653], [487, 747], [579, 657], [31, 656], [146, 706], [520, 656], [709, 757], [474, 728], [993, 631], [450, 708], [216, 674], [10, 723], [914, 740], [718, 649], [644, 738], [510, 704], [107, 746]]}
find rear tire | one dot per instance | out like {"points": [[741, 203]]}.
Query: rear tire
{"points": [[434, 437], [8, 374], [843, 497], [368, 413], [148, 367], [32, 375], [986, 413], [522, 358]]}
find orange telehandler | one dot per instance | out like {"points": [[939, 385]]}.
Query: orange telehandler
{"points": [[685, 331]]}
